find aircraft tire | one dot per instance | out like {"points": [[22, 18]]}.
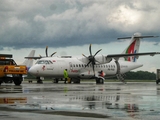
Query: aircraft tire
{"points": [[99, 81], [77, 81], [39, 81], [55, 81]]}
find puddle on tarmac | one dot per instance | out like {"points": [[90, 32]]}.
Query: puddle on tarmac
{"points": [[102, 101]]}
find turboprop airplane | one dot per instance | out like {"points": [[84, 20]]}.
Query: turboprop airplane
{"points": [[95, 66]]}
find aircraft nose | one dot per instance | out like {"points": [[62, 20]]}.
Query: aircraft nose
{"points": [[32, 71]]}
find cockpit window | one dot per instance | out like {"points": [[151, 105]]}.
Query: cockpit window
{"points": [[46, 62], [40, 62], [43, 62], [50, 62]]}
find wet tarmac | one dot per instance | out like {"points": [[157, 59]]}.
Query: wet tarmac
{"points": [[85, 101]]}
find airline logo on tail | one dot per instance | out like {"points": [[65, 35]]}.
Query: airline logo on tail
{"points": [[131, 50], [134, 45]]}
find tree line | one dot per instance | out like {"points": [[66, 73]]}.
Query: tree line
{"points": [[140, 75]]}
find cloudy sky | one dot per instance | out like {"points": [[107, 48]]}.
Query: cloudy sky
{"points": [[69, 26]]}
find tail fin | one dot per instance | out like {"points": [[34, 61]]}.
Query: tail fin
{"points": [[29, 62], [134, 46]]}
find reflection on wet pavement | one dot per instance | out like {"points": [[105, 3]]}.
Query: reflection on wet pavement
{"points": [[115, 101]]}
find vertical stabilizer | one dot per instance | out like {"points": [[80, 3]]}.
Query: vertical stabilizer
{"points": [[29, 62], [134, 46]]}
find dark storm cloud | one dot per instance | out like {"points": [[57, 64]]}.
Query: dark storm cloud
{"points": [[27, 24]]}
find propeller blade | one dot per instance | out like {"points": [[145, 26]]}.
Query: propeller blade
{"points": [[53, 53], [91, 58], [84, 56], [46, 51], [40, 56], [97, 52], [90, 50], [88, 63], [93, 69]]}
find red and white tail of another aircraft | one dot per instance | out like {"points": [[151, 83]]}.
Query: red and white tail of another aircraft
{"points": [[94, 66]]}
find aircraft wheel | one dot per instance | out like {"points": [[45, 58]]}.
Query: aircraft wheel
{"points": [[77, 81], [55, 80], [101, 81], [39, 80], [97, 81]]}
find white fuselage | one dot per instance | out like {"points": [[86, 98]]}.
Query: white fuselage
{"points": [[54, 67]]}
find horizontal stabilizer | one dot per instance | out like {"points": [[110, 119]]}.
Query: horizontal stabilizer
{"points": [[35, 58], [137, 37]]}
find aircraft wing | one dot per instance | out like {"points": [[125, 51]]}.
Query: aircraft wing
{"points": [[117, 56]]}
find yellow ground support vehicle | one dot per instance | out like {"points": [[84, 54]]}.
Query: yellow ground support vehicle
{"points": [[10, 71]]}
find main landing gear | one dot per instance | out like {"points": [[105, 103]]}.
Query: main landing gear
{"points": [[39, 80], [99, 81]]}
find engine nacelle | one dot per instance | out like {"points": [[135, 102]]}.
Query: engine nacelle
{"points": [[100, 59]]}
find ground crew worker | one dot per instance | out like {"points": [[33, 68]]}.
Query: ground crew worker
{"points": [[101, 73], [65, 75]]}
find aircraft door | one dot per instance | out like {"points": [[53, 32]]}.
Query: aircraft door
{"points": [[60, 66], [118, 67], [71, 65]]}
